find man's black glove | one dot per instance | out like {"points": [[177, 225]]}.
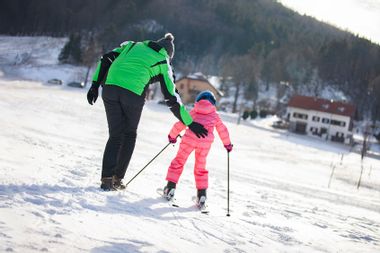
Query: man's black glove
{"points": [[198, 129], [93, 93]]}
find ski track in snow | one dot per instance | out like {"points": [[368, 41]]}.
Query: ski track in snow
{"points": [[52, 143]]}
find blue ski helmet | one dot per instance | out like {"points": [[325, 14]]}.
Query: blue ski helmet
{"points": [[206, 95]]}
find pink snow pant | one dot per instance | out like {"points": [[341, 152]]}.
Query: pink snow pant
{"points": [[200, 172]]}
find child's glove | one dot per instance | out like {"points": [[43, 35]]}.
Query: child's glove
{"points": [[228, 147], [172, 140]]}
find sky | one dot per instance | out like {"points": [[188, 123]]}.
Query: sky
{"points": [[361, 17]]}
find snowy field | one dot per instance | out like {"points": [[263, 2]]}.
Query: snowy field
{"points": [[36, 58], [51, 144]]}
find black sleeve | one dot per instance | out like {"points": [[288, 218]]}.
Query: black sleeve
{"points": [[105, 63], [171, 100]]}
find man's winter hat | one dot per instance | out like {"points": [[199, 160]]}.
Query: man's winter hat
{"points": [[206, 95], [167, 43]]}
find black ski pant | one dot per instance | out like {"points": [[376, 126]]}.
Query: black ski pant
{"points": [[123, 110]]}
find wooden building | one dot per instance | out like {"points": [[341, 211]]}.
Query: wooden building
{"points": [[190, 86]]}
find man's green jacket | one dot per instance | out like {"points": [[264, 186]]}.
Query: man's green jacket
{"points": [[135, 65]]}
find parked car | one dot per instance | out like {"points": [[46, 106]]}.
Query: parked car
{"points": [[76, 84], [55, 81], [281, 124]]}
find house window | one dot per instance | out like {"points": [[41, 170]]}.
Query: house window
{"points": [[181, 86], [299, 115], [339, 135], [325, 120], [314, 130], [316, 118], [338, 123]]}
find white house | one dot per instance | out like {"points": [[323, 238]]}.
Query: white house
{"points": [[328, 119]]}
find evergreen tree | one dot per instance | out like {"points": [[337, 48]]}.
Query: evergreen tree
{"points": [[71, 52], [252, 40]]}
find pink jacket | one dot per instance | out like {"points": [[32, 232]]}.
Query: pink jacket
{"points": [[204, 113]]}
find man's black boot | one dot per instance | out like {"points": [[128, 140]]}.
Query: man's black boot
{"points": [[107, 184]]}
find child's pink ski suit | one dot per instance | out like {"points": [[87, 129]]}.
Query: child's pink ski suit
{"points": [[204, 113]]}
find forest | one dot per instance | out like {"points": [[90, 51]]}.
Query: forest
{"points": [[254, 42]]}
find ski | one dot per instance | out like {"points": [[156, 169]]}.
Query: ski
{"points": [[172, 201], [203, 208]]}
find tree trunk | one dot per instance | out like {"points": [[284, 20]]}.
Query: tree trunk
{"points": [[236, 97], [87, 74]]}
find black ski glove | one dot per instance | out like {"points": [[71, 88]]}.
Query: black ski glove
{"points": [[93, 93], [198, 129]]}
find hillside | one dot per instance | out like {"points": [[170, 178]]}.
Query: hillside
{"points": [[36, 58], [269, 43]]}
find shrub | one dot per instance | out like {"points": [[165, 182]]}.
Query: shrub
{"points": [[245, 115], [253, 114], [263, 114]]}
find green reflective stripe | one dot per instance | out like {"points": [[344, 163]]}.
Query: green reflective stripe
{"points": [[96, 73], [185, 116]]}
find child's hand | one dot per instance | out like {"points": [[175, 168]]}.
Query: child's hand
{"points": [[228, 147], [171, 139]]}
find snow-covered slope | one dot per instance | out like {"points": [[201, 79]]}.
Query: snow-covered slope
{"points": [[51, 144], [36, 58]]}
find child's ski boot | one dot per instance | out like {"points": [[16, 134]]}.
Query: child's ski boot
{"points": [[201, 201], [169, 191]]}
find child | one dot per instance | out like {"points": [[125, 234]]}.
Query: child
{"points": [[204, 112]]}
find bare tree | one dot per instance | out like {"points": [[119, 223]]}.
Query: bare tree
{"points": [[91, 52], [242, 70]]}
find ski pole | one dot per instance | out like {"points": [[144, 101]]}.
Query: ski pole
{"points": [[228, 183], [167, 145]]}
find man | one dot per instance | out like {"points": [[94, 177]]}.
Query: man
{"points": [[126, 73]]}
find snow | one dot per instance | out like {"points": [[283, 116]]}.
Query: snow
{"points": [[215, 81], [197, 75], [33, 50], [265, 123], [36, 58], [52, 143]]}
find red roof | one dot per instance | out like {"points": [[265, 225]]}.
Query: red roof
{"points": [[322, 105]]}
